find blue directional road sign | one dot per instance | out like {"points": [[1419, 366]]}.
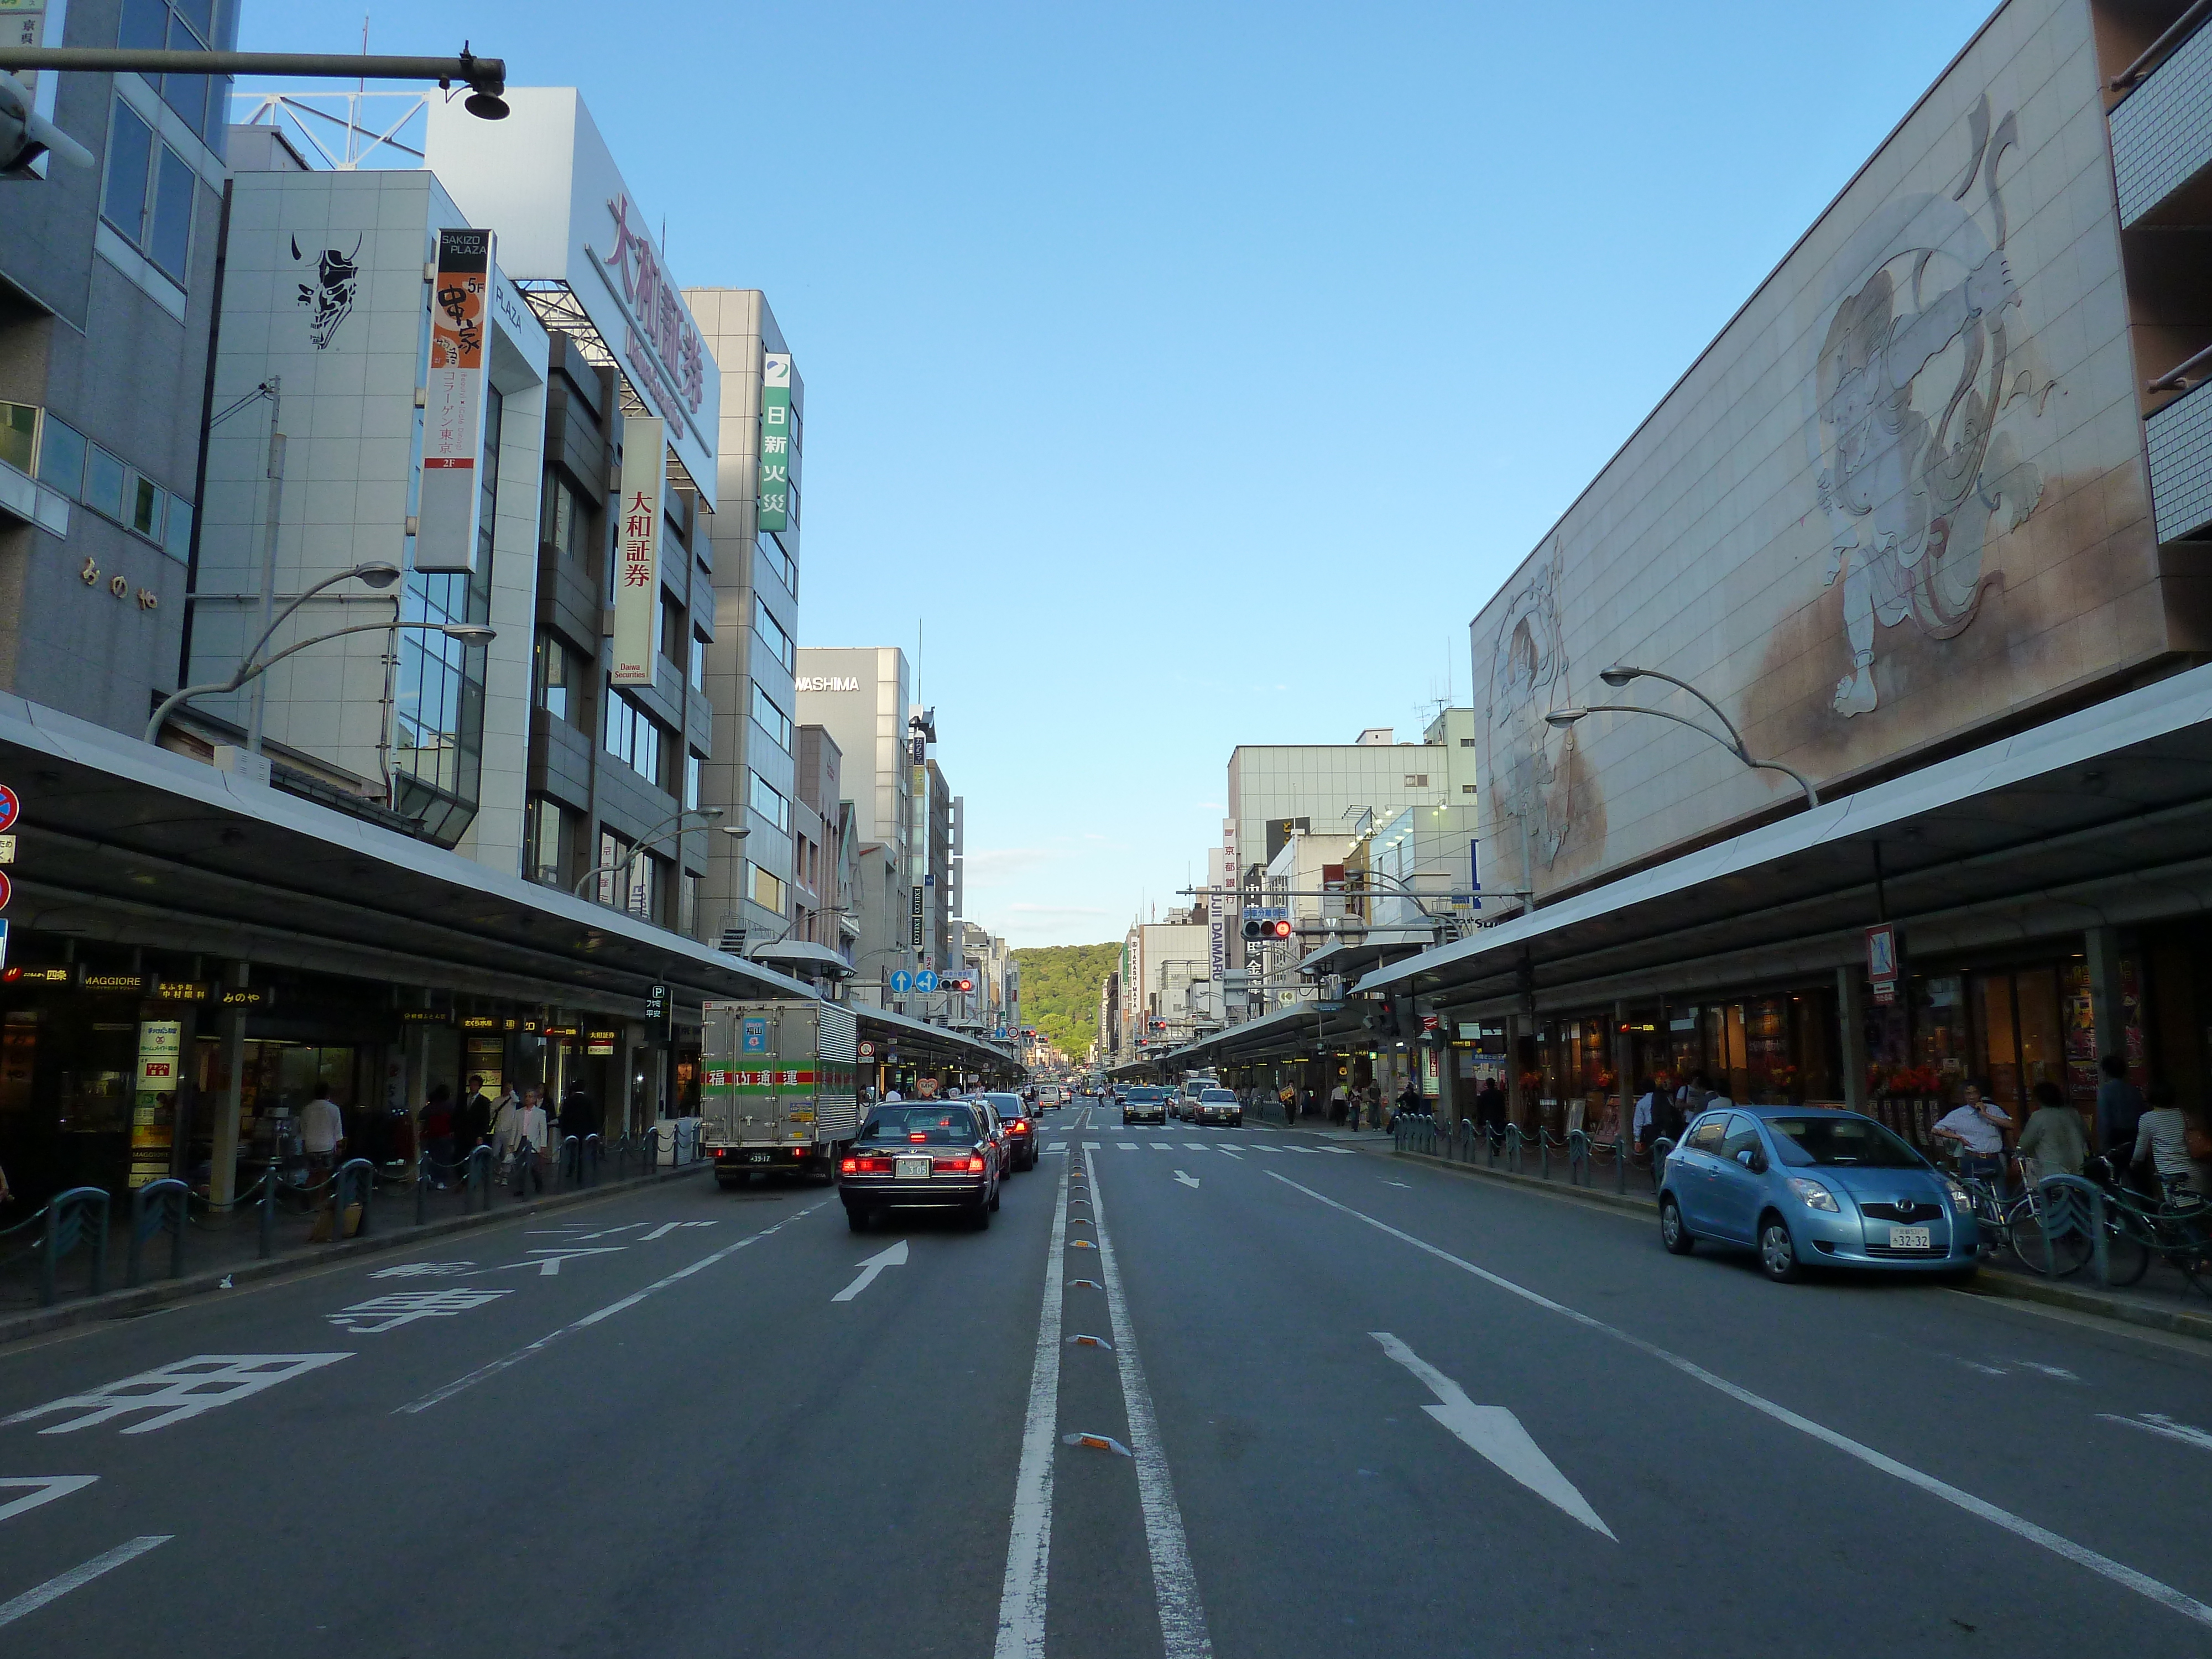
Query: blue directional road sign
{"points": [[925, 980], [901, 983]]}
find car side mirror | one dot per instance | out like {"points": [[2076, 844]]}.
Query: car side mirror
{"points": [[1753, 1159]]}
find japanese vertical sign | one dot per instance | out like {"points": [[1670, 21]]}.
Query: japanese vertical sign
{"points": [[454, 404], [637, 550], [154, 1102], [776, 452]]}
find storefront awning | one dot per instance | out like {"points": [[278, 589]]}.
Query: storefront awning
{"points": [[2099, 817], [123, 842], [919, 1039]]}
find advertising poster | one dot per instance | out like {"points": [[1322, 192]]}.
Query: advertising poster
{"points": [[453, 405], [154, 1099], [637, 550]]}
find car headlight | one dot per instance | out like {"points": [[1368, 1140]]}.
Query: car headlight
{"points": [[1813, 1196], [1961, 1198]]}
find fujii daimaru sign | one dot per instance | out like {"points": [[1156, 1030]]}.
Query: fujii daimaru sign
{"points": [[454, 404], [544, 179], [637, 550]]}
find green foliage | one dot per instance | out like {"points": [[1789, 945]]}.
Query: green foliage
{"points": [[1060, 991]]}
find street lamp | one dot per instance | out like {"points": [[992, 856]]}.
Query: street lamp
{"points": [[709, 813], [377, 574], [1621, 674]]}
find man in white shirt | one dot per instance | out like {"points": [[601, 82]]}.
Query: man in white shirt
{"points": [[520, 1132], [322, 1131], [1977, 1124], [1640, 1125]]}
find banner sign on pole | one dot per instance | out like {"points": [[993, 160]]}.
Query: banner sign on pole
{"points": [[453, 407], [637, 550], [1883, 970]]}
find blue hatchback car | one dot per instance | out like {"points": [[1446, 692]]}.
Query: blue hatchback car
{"points": [[1808, 1185]]}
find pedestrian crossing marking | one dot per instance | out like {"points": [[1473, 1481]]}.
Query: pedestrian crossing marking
{"points": [[1091, 1145], [1127, 1145], [1194, 1145], [1164, 1145]]}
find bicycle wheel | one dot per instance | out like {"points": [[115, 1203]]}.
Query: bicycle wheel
{"points": [[2127, 1247], [2057, 1253]]}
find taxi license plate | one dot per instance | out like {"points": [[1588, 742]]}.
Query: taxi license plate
{"points": [[1909, 1238], [912, 1169], [763, 1157]]}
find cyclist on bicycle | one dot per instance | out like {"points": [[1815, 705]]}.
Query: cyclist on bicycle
{"points": [[1977, 1124], [2162, 1142]]}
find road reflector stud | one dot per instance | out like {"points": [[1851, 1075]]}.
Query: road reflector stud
{"points": [[1081, 1244], [1084, 1284], [1081, 1340], [1105, 1443]]}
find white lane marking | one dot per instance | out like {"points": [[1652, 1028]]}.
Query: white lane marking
{"points": [[1264, 1148], [664, 1230], [1195, 1146], [1057, 1146], [893, 1257], [2151, 1422], [1187, 1179], [2080, 1555], [1182, 1618], [426, 1270], [54, 1588], [1395, 1183], [1335, 1151], [619, 1305], [1127, 1145], [1164, 1145], [549, 1261], [184, 1388], [385, 1312], [1230, 1151], [1089, 1145], [1028, 1543], [39, 1489], [1293, 1147], [1495, 1433]]}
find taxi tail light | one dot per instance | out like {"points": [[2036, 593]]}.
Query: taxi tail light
{"points": [[975, 1165], [918, 1137], [850, 1166]]}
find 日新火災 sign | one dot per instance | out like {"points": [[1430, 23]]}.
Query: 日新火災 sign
{"points": [[779, 448]]}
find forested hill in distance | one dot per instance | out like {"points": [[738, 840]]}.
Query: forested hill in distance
{"points": [[1060, 991]]}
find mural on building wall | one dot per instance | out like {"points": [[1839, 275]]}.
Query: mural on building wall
{"points": [[329, 299], [1915, 410], [1531, 798]]}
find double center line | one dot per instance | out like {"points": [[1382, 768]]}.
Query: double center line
{"points": [[1023, 1598]]}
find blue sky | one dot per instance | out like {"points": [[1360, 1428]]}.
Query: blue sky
{"points": [[1191, 375]]}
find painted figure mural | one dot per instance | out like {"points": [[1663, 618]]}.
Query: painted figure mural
{"points": [[1530, 797], [1912, 383]]}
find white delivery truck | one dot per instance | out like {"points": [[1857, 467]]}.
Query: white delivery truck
{"points": [[778, 1088]]}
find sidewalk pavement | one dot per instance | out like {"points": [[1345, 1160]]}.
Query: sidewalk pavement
{"points": [[220, 1245], [2163, 1301]]}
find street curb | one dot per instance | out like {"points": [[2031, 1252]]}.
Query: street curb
{"points": [[143, 1299], [1995, 1284], [1537, 1184]]}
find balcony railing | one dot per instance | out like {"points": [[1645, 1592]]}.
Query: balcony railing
{"points": [[2162, 132], [2179, 438]]}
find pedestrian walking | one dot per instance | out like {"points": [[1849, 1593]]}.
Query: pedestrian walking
{"points": [[520, 1134], [2052, 1135], [1644, 1125], [1339, 1102], [322, 1131], [1490, 1106], [579, 1118], [437, 1119], [472, 1122], [1977, 1124], [2119, 1109]]}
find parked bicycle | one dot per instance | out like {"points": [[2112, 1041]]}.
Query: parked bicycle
{"points": [[2039, 1242], [2176, 1226]]}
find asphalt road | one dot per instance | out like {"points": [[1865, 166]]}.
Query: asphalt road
{"points": [[1327, 1406]]}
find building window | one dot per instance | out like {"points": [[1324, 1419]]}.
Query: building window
{"points": [[777, 559], [148, 194], [635, 737], [1467, 743], [202, 100], [773, 721], [772, 634], [1417, 779], [58, 454], [560, 676], [694, 766], [768, 802], [550, 841], [765, 889], [674, 630], [1466, 789], [688, 917], [698, 675], [438, 713], [566, 524]]}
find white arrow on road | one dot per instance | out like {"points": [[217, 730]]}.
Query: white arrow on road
{"points": [[1187, 1179], [894, 1257], [37, 1489], [1496, 1433]]}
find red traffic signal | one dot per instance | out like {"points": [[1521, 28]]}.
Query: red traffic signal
{"points": [[1279, 928]]}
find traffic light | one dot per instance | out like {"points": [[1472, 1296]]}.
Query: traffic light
{"points": [[1279, 928], [1252, 926]]}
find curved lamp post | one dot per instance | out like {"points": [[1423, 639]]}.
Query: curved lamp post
{"points": [[1621, 674], [253, 665], [709, 813]]}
